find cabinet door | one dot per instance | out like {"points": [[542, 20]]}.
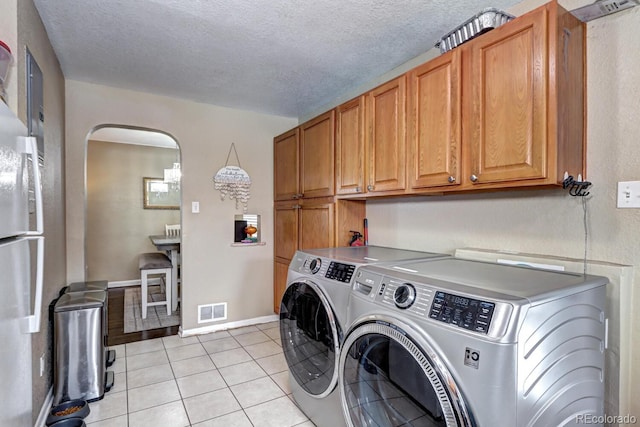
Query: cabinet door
{"points": [[285, 154], [508, 80], [317, 156], [434, 122], [280, 270], [386, 136], [350, 149], [316, 224], [285, 230]]}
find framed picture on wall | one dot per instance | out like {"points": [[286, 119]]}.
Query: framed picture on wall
{"points": [[157, 194]]}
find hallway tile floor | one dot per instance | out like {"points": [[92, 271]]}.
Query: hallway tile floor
{"points": [[233, 378]]}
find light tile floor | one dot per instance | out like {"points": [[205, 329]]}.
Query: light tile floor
{"points": [[234, 378]]}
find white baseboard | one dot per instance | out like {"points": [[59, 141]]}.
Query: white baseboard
{"points": [[41, 421], [229, 325]]}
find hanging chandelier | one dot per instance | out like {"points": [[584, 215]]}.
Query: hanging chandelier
{"points": [[233, 181], [172, 176]]}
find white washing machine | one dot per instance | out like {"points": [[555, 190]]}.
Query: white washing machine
{"points": [[312, 320], [453, 342]]}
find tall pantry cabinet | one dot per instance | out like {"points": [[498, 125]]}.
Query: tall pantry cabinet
{"points": [[306, 213]]}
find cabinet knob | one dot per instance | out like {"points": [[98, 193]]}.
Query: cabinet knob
{"points": [[358, 190], [370, 187], [451, 179], [300, 196], [473, 178]]}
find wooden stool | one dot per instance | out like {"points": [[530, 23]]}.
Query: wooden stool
{"points": [[154, 263]]}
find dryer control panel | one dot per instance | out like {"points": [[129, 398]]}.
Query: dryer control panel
{"points": [[433, 302], [340, 272], [464, 312]]}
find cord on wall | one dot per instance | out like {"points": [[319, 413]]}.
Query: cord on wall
{"points": [[586, 231], [579, 189]]}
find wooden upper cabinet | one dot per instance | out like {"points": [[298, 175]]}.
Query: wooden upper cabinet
{"points": [[508, 105], [386, 144], [350, 148], [504, 110], [317, 156], [434, 124], [286, 172], [525, 116]]}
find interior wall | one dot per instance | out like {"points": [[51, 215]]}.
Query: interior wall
{"points": [[117, 225], [31, 34], [212, 270], [551, 222]]}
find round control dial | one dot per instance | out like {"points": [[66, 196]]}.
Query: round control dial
{"points": [[404, 295], [314, 265]]}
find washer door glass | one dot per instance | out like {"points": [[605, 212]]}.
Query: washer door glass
{"points": [[387, 380], [310, 338]]}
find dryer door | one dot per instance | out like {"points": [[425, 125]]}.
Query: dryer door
{"points": [[387, 379], [310, 338]]}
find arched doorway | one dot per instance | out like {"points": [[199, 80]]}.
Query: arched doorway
{"points": [[128, 200]]}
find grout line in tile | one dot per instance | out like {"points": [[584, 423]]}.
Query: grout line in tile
{"points": [[263, 402], [156, 406], [215, 367]]}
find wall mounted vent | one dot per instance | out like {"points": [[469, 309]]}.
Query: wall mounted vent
{"points": [[602, 8], [212, 312]]}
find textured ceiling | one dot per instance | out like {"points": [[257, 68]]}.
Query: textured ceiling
{"points": [[282, 57]]}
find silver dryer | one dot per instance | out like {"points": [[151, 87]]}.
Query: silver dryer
{"points": [[453, 342]]}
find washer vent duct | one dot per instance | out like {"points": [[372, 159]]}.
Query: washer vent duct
{"points": [[212, 312], [602, 8]]}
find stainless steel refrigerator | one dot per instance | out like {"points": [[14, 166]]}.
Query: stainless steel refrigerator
{"points": [[21, 266]]}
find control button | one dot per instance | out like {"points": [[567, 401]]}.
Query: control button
{"points": [[381, 289]]}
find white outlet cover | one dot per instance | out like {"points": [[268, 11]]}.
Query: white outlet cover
{"points": [[628, 194]]}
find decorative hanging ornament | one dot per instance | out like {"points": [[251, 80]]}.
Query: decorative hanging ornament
{"points": [[233, 181]]}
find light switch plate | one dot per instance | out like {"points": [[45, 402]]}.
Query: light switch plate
{"points": [[629, 194], [195, 207]]}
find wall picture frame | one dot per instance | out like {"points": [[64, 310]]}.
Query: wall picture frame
{"points": [[157, 194]]}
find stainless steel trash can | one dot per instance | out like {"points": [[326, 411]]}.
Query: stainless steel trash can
{"points": [[94, 285], [90, 286], [79, 352]]}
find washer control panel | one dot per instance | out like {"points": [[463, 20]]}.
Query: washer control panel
{"points": [[433, 303], [463, 312], [340, 272]]}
